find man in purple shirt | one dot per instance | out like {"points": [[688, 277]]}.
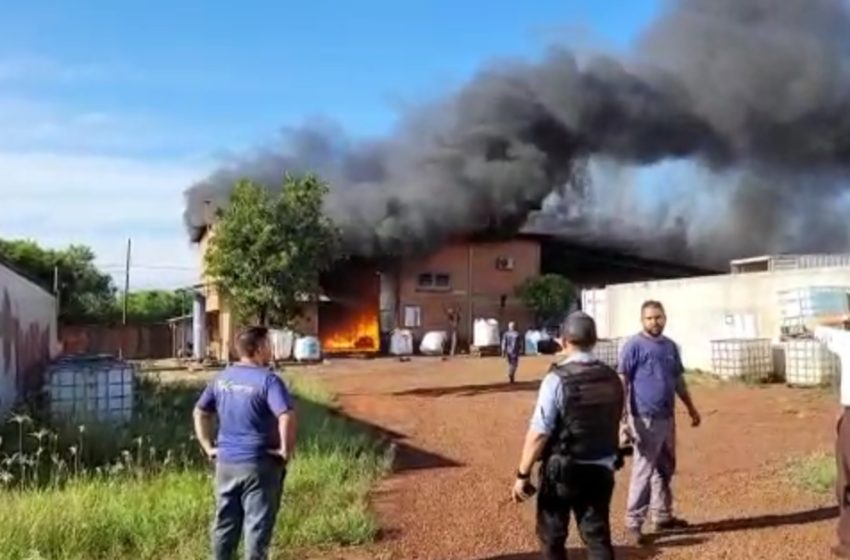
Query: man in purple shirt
{"points": [[653, 375], [256, 439]]}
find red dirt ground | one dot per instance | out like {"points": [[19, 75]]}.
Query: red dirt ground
{"points": [[459, 431]]}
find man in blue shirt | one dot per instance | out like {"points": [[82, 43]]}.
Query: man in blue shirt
{"points": [[574, 431], [653, 374], [256, 440]]}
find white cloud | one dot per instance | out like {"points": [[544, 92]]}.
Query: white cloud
{"points": [[100, 201]]}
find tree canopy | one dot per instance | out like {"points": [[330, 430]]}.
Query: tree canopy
{"points": [[549, 297], [87, 295], [268, 248]]}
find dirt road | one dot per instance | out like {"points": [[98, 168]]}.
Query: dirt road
{"points": [[459, 431]]}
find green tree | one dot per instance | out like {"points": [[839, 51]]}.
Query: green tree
{"points": [[267, 249], [548, 297], [155, 306], [85, 293]]}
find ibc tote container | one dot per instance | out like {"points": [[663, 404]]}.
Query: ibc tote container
{"points": [[800, 305], [745, 359], [89, 389], [607, 351], [809, 363]]}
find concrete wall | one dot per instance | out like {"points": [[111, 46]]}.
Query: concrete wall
{"points": [[712, 307], [28, 336], [476, 287]]}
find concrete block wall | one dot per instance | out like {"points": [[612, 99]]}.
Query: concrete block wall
{"points": [[713, 307]]}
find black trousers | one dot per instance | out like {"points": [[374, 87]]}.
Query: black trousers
{"points": [[585, 492]]}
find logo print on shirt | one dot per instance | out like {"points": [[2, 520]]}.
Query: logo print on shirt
{"points": [[228, 386]]}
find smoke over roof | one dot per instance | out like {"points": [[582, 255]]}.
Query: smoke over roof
{"points": [[756, 92]]}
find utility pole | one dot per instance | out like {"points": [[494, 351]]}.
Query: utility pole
{"points": [[126, 283]]}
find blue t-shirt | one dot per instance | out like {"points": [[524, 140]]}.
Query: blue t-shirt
{"points": [[248, 400], [652, 367]]}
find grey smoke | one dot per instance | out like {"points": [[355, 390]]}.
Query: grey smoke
{"points": [[757, 92]]}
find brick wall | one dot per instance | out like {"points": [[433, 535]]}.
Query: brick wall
{"points": [[475, 286]]}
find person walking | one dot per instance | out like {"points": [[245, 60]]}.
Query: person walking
{"points": [[653, 375], [453, 317], [575, 432], [837, 341], [511, 349], [256, 441]]}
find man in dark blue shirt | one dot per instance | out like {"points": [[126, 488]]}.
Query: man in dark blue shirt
{"points": [[654, 375], [256, 439]]}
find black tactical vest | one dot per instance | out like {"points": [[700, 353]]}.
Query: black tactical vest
{"points": [[588, 425]]}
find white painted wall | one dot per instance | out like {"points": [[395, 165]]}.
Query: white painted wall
{"points": [[28, 335], [711, 307]]}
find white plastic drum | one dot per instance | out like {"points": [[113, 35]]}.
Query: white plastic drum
{"points": [[532, 337], [433, 343], [485, 333], [307, 349], [401, 343], [282, 342]]}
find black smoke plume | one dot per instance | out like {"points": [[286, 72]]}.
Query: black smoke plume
{"points": [[754, 92]]}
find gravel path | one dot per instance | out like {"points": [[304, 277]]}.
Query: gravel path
{"points": [[459, 431]]}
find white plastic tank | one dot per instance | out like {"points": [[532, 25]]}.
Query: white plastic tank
{"points": [[282, 341], [433, 343], [92, 388], [485, 333], [809, 363], [401, 343], [307, 349], [532, 337], [746, 359]]}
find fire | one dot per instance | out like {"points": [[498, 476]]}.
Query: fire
{"points": [[350, 330]]}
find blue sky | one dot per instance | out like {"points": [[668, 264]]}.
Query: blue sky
{"points": [[109, 110]]}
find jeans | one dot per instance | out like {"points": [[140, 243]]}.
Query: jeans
{"points": [[247, 502], [586, 493]]}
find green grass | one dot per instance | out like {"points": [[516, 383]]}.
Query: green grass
{"points": [[146, 493], [816, 473]]}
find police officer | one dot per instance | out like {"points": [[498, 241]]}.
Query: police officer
{"points": [[575, 432]]}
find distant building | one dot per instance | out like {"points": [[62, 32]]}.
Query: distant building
{"points": [[363, 300]]}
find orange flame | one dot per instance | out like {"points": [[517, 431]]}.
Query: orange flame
{"points": [[357, 331]]}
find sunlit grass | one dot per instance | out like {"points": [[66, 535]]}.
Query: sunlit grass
{"points": [[145, 491]]}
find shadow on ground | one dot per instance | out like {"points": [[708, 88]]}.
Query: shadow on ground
{"points": [[405, 457], [760, 522], [471, 390], [620, 552]]}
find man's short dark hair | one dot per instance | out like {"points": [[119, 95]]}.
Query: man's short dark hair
{"points": [[249, 341], [651, 304], [579, 329]]}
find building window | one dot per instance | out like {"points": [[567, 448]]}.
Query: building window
{"points": [[505, 263], [434, 281], [412, 316]]}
